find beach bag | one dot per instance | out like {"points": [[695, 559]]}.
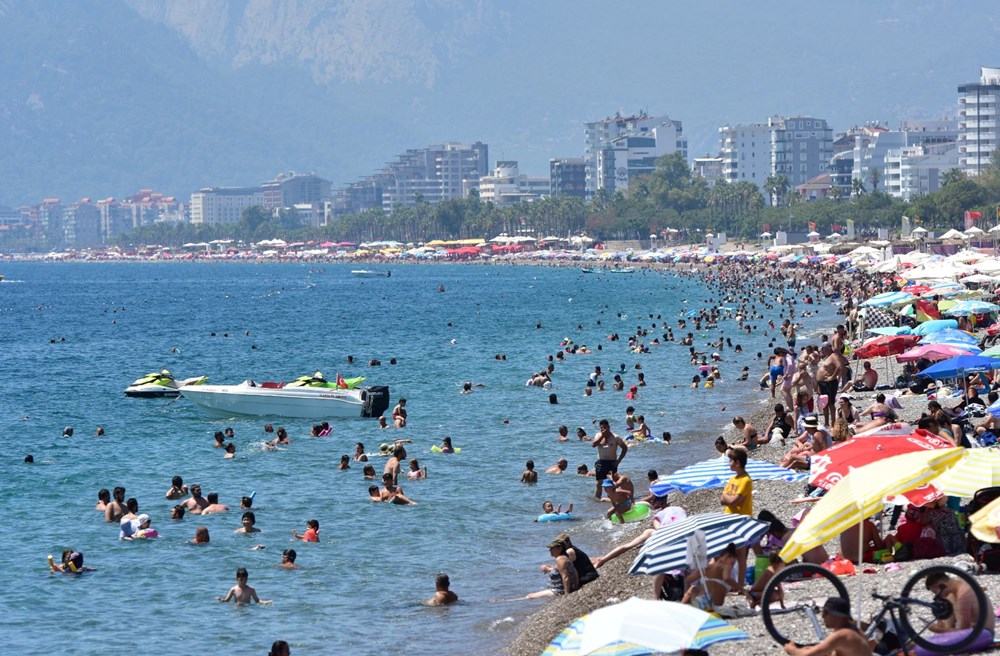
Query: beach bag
{"points": [[673, 587], [841, 566]]}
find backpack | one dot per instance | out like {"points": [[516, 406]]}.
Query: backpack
{"points": [[987, 555]]}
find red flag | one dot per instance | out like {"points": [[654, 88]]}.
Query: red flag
{"points": [[812, 225], [341, 383], [970, 217], [767, 226], [835, 227]]}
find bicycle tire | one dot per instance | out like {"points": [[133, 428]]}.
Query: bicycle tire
{"points": [[954, 647], [800, 571]]}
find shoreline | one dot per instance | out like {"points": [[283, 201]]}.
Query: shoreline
{"points": [[538, 629]]}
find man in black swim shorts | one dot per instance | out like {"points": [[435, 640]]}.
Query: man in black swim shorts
{"points": [[607, 444]]}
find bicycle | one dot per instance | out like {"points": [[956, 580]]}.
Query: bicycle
{"points": [[911, 613]]}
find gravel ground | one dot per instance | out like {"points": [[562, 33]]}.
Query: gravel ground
{"points": [[616, 585]]}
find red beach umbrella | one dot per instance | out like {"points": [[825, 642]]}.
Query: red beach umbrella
{"points": [[885, 346], [831, 465]]}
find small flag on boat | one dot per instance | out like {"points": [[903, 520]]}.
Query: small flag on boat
{"points": [[341, 383]]}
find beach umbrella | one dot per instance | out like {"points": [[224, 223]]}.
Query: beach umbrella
{"points": [[888, 298], [831, 465], [642, 626], [918, 496], [860, 493], [953, 337], [960, 366], [978, 468], [715, 473], [991, 352], [965, 308], [979, 278], [934, 325], [885, 346], [892, 330], [934, 352], [666, 549]]}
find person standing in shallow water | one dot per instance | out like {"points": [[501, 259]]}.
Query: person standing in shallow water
{"points": [[608, 445]]}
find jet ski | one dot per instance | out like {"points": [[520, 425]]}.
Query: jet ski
{"points": [[160, 384]]}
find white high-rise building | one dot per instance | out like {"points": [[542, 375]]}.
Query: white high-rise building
{"points": [[506, 186], [914, 171], [223, 204], [871, 151], [621, 147], [977, 121], [798, 147]]}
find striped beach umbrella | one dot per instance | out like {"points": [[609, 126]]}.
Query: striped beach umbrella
{"points": [[977, 469], [715, 473], [666, 549], [965, 308], [642, 626], [860, 494]]}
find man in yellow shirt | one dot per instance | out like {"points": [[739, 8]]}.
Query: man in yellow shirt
{"points": [[737, 498]]}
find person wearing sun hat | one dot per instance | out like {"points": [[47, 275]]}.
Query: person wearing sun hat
{"points": [[845, 639], [563, 577]]}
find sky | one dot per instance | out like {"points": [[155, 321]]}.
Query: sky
{"points": [[102, 97]]}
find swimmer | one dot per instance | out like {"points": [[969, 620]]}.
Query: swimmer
{"points": [[288, 557], [563, 433], [345, 463], [230, 451], [443, 596], [103, 499], [177, 512], [201, 536], [311, 534], [359, 452], [373, 493], [29, 459], [415, 471], [582, 435], [220, 440], [177, 489], [559, 467], [393, 493], [529, 475], [549, 509], [583, 471], [72, 563], [399, 414], [369, 472], [247, 502], [446, 446], [213, 505], [248, 520], [241, 593], [68, 431]]}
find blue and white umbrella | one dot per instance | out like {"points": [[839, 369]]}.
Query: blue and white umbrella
{"points": [[965, 308], [888, 298], [715, 473], [950, 336], [935, 325], [666, 549], [960, 366], [892, 330]]}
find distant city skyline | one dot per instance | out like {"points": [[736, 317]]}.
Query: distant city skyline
{"points": [[186, 99]]}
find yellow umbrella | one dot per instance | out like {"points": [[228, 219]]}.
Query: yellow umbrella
{"points": [[860, 494], [977, 469]]}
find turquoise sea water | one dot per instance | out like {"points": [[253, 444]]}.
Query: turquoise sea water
{"points": [[360, 588]]}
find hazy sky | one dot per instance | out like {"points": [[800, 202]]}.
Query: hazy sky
{"points": [[101, 97]]}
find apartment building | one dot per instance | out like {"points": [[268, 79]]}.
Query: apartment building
{"points": [[621, 147], [977, 120]]}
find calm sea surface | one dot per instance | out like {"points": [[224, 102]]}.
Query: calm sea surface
{"points": [[359, 590]]}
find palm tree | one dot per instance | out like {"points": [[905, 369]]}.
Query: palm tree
{"points": [[875, 176]]}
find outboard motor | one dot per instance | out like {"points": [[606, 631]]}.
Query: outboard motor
{"points": [[375, 399]]}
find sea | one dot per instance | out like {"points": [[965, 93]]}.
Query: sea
{"points": [[75, 335]]}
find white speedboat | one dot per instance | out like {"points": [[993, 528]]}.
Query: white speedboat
{"points": [[369, 273], [303, 400], [162, 384]]}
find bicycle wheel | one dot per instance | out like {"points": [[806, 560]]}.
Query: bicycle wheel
{"points": [[922, 607], [802, 589]]}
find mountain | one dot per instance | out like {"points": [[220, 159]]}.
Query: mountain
{"points": [[103, 97]]}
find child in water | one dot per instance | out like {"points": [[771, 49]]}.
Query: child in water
{"points": [[241, 593], [311, 534], [549, 509]]}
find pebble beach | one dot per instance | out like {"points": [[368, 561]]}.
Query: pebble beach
{"points": [[616, 585]]}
